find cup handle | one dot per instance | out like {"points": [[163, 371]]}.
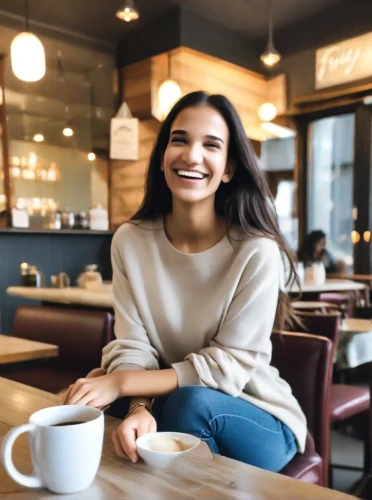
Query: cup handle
{"points": [[6, 458]]}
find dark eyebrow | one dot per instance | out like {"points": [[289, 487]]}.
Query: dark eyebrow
{"points": [[179, 132], [183, 132], [214, 137]]}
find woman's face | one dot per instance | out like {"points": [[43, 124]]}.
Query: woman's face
{"points": [[319, 246], [195, 159]]}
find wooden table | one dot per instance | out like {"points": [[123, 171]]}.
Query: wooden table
{"points": [[189, 477], [334, 285], [14, 350], [312, 305], [74, 295], [356, 277]]}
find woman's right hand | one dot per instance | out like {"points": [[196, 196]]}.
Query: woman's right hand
{"points": [[139, 423]]}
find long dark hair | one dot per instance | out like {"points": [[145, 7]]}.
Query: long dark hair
{"points": [[305, 253], [244, 202]]}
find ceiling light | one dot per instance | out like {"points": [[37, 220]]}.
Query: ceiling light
{"points": [[27, 55], [68, 132], [168, 93], [271, 56], [278, 130], [91, 156], [128, 12], [38, 138], [267, 112]]}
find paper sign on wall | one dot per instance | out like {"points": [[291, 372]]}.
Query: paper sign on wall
{"points": [[124, 139]]}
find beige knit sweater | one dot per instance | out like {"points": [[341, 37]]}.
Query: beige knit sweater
{"points": [[208, 315]]}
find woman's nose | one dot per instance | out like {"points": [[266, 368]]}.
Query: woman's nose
{"points": [[192, 155]]}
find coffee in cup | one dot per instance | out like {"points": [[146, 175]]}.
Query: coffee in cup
{"points": [[66, 448]]}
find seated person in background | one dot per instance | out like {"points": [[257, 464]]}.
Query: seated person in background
{"points": [[313, 249], [198, 282]]}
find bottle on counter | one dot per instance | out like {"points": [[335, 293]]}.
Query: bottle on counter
{"points": [[24, 272], [31, 276], [68, 219], [55, 220], [91, 279], [98, 219]]}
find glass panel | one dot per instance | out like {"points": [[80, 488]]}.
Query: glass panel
{"points": [[285, 204], [52, 126], [330, 183]]}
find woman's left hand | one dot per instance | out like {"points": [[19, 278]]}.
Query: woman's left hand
{"points": [[96, 392]]}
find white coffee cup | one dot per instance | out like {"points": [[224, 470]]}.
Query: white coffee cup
{"points": [[65, 457]]}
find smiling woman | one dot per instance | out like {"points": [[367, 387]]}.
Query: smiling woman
{"points": [[198, 284]]}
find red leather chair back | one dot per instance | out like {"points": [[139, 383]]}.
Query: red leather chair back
{"points": [[326, 325], [305, 362], [79, 333]]}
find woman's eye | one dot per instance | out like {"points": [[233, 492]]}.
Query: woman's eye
{"points": [[212, 145], [178, 140]]}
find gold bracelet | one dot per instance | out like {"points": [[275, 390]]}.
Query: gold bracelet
{"points": [[138, 405]]}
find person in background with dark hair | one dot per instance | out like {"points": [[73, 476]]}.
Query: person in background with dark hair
{"points": [[313, 249], [198, 284]]}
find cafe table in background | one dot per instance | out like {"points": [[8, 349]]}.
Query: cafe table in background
{"points": [[191, 476], [15, 350]]}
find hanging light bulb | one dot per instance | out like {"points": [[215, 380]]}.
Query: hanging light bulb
{"points": [[27, 54], [168, 93], [91, 156], [267, 112], [271, 56], [38, 138], [68, 132], [128, 12]]}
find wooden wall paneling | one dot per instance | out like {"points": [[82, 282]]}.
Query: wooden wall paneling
{"points": [[277, 93], [159, 73], [128, 177], [136, 88]]}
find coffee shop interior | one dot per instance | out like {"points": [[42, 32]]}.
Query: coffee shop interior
{"points": [[84, 90]]}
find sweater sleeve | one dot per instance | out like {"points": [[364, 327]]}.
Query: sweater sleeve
{"points": [[132, 349], [233, 355]]}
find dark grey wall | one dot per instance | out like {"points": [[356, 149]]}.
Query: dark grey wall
{"points": [[51, 253], [180, 27], [206, 36], [154, 38], [344, 20]]}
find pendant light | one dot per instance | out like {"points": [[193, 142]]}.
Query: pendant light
{"points": [[128, 12], [168, 93], [27, 54], [271, 56], [267, 111], [68, 131]]}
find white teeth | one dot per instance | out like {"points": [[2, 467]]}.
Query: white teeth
{"points": [[193, 175]]}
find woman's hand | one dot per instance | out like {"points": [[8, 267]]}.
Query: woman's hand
{"points": [[97, 391], [139, 423]]}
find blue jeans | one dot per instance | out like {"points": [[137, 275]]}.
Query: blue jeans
{"points": [[230, 426]]}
